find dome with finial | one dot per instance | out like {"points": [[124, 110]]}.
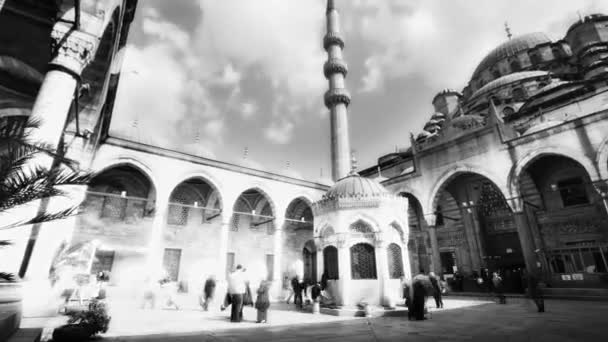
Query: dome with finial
{"points": [[354, 186]]}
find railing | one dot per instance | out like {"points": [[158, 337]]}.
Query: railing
{"points": [[117, 207], [578, 259]]}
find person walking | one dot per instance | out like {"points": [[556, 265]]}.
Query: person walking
{"points": [[236, 289], [296, 285], [436, 290], [418, 295], [498, 288], [208, 292], [535, 290], [262, 302]]}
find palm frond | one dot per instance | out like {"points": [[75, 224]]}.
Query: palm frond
{"points": [[4, 243], [44, 217], [7, 276]]}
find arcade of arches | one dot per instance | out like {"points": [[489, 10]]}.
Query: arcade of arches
{"points": [[561, 228]]}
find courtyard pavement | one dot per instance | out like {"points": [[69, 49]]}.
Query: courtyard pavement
{"points": [[469, 320]]}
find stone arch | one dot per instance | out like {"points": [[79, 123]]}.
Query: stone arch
{"points": [[602, 159], [396, 227], [264, 192], [454, 172], [205, 177], [326, 231], [361, 226], [135, 163], [530, 157], [415, 211], [366, 219]]}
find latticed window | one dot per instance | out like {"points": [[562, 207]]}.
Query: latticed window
{"points": [[491, 201], [330, 262], [395, 261], [361, 227], [363, 261], [178, 215], [114, 207]]}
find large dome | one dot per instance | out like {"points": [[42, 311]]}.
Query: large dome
{"points": [[508, 79], [510, 48], [355, 186]]}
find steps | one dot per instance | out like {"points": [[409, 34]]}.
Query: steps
{"points": [[591, 294]]}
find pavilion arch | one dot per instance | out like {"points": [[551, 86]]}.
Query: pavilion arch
{"points": [[559, 151], [326, 231], [602, 159], [396, 228], [415, 211], [454, 172], [364, 219]]}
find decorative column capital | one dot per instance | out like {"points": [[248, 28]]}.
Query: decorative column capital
{"points": [[342, 240], [71, 49]]}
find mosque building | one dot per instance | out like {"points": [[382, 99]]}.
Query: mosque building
{"points": [[509, 174]]}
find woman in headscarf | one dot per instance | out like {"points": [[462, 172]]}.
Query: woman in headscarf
{"points": [[262, 302]]}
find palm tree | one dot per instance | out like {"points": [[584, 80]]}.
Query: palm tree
{"points": [[21, 183]]}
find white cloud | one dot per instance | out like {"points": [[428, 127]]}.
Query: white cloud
{"points": [[374, 78], [248, 109], [279, 132]]}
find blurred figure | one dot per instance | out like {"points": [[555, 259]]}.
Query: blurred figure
{"points": [[296, 284], [288, 289], [419, 294], [169, 291], [208, 292], [262, 303], [436, 290], [149, 293], [536, 293], [236, 289], [498, 288]]}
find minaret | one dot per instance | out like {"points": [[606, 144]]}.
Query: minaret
{"points": [[337, 97]]}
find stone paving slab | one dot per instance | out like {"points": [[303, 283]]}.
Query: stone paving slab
{"points": [[564, 321]]}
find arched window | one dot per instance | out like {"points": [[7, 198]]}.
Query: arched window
{"points": [[395, 261], [361, 227], [330, 262], [363, 261]]}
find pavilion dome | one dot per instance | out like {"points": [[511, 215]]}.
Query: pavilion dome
{"points": [[355, 186], [510, 48]]}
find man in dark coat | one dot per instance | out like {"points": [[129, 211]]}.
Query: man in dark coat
{"points": [[262, 302], [436, 290], [536, 293], [296, 284]]}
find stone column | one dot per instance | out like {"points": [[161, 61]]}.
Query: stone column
{"points": [[155, 246], [344, 270], [526, 241], [320, 260], [382, 271], [469, 231], [277, 252], [223, 250], [436, 257]]}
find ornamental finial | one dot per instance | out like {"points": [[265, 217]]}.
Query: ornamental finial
{"points": [[353, 163], [508, 30]]}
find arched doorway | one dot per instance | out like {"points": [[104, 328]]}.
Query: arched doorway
{"points": [[309, 256], [192, 231], [569, 221], [250, 240], [475, 224], [419, 258], [299, 249], [118, 211]]}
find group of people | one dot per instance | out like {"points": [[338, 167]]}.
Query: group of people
{"points": [[239, 295], [417, 292], [303, 291]]}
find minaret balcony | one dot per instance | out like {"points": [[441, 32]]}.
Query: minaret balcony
{"points": [[333, 38], [336, 96], [334, 66]]}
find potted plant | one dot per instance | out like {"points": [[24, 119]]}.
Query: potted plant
{"points": [[82, 325]]}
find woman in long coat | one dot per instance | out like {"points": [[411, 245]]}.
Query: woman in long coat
{"points": [[262, 302]]}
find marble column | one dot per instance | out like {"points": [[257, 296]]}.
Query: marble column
{"points": [[223, 250], [470, 235], [278, 253], [383, 272], [74, 51], [435, 255], [526, 241], [155, 246], [344, 270], [320, 260]]}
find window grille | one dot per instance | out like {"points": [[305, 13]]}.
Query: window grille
{"points": [[363, 261], [395, 261], [178, 215], [171, 262], [330, 262], [492, 202], [114, 207], [361, 227], [103, 261]]}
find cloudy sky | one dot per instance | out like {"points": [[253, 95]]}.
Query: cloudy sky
{"points": [[213, 77]]}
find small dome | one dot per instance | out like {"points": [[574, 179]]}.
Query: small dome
{"points": [[438, 116], [355, 186], [508, 79], [511, 48]]}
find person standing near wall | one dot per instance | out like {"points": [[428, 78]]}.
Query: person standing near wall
{"points": [[436, 290], [236, 289], [499, 288]]}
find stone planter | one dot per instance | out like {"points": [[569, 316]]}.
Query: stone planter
{"points": [[10, 308]]}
